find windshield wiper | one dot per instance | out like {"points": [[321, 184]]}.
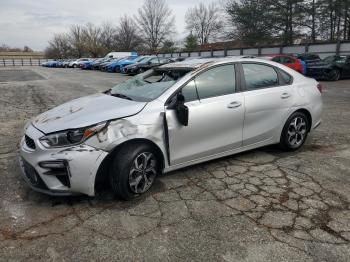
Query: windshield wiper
{"points": [[121, 96]]}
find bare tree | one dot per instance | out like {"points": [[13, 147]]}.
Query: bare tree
{"points": [[92, 35], [108, 37], [59, 47], [76, 39], [127, 36], [204, 21], [156, 22]]}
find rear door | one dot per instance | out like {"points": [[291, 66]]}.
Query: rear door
{"points": [[268, 98], [216, 112]]}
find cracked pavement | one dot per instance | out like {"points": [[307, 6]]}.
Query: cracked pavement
{"points": [[262, 205]]}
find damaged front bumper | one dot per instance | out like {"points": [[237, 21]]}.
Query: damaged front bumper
{"points": [[59, 171]]}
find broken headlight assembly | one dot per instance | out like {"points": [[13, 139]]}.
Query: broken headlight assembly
{"points": [[71, 137]]}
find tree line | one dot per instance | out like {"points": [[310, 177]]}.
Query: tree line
{"points": [[250, 22]]}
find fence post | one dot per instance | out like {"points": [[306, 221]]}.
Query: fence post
{"points": [[30, 60], [13, 62], [307, 48], [241, 51], [225, 51], [281, 49], [199, 53], [337, 48], [211, 52], [22, 61], [3, 60]]}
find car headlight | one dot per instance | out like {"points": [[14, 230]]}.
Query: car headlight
{"points": [[72, 136]]}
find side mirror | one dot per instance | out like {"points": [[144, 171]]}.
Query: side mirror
{"points": [[181, 110]]}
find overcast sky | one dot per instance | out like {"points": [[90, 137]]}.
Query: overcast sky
{"points": [[34, 22]]}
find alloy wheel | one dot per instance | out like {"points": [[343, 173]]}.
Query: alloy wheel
{"points": [[143, 172], [297, 131]]}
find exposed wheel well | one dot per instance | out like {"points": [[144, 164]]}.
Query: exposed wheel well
{"points": [[101, 180], [308, 115]]}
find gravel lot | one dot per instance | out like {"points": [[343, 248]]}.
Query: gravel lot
{"points": [[263, 205]]}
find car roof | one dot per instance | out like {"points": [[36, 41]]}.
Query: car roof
{"points": [[204, 62]]}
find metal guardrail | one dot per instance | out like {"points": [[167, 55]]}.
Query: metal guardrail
{"points": [[8, 62]]}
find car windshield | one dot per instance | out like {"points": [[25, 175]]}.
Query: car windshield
{"points": [[139, 59], [148, 86]]}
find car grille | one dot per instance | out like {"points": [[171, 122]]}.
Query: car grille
{"points": [[29, 142]]}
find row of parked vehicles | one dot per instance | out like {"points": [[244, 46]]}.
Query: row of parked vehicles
{"points": [[132, 64], [331, 68]]}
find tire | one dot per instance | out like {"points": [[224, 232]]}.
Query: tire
{"points": [[294, 132], [128, 174], [74, 66], [140, 71], [334, 75]]}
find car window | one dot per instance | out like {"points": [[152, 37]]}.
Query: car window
{"points": [[276, 59], [286, 78], [154, 61], [163, 60], [217, 81], [259, 76], [189, 91], [287, 60]]}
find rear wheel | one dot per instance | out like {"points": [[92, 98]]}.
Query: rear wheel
{"points": [[294, 132], [133, 171]]}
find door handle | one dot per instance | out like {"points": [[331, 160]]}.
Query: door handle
{"points": [[285, 95], [234, 104]]}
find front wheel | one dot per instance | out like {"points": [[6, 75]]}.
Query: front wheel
{"points": [[334, 75], [294, 132], [133, 171]]}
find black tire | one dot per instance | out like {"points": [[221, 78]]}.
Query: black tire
{"points": [[334, 75], [74, 66], [141, 70], [121, 174], [288, 142]]}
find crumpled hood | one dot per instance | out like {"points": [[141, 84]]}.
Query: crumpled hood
{"points": [[86, 111]]}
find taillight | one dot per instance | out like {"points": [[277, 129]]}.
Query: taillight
{"points": [[319, 87]]}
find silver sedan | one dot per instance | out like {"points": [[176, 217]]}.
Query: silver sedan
{"points": [[165, 119]]}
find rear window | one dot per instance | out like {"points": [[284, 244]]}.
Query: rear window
{"points": [[259, 76]]}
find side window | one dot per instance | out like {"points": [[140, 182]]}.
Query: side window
{"points": [[217, 81], [189, 91], [277, 59], [286, 78], [163, 60], [288, 60], [154, 61], [259, 76]]}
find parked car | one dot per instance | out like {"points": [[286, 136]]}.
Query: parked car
{"points": [[115, 66], [66, 62], [145, 65], [309, 58], [103, 66], [52, 63], [76, 63], [96, 64], [331, 68], [167, 118], [88, 64], [286, 60]]}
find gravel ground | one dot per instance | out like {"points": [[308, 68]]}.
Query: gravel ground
{"points": [[263, 205]]}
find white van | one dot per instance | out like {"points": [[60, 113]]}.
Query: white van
{"points": [[120, 54]]}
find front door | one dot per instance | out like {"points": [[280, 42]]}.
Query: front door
{"points": [[216, 115]]}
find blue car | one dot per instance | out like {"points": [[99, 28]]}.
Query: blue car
{"points": [[88, 64], [53, 63], [115, 66]]}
